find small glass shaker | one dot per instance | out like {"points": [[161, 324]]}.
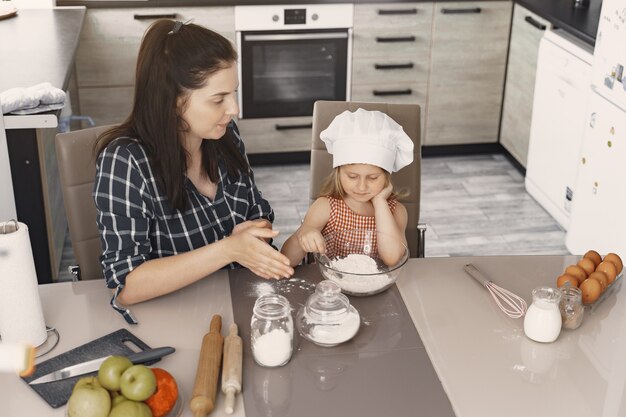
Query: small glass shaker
{"points": [[542, 322], [271, 330], [571, 307]]}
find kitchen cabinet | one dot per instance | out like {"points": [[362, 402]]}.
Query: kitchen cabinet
{"points": [[107, 53], [468, 59], [391, 52], [526, 33]]}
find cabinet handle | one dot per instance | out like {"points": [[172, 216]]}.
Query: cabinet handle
{"points": [[393, 66], [461, 11], [396, 11], [535, 23], [155, 16], [293, 127], [395, 39], [406, 92]]}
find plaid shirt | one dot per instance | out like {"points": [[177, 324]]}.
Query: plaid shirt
{"points": [[137, 223], [342, 219]]}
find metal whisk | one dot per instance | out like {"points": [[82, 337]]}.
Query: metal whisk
{"points": [[513, 305]]}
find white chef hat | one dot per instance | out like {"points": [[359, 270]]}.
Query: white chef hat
{"points": [[368, 137]]}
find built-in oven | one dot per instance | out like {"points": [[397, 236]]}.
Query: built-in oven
{"points": [[291, 56]]}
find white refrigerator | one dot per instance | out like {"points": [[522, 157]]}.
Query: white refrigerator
{"points": [[598, 217]]}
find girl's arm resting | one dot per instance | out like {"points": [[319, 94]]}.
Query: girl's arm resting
{"points": [[392, 226]]}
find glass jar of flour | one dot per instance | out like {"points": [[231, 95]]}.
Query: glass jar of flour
{"points": [[271, 330]]}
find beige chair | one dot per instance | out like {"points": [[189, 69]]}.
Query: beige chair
{"points": [[407, 179], [77, 167]]}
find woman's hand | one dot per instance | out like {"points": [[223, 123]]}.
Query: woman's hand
{"points": [[251, 251], [311, 240], [384, 194], [242, 227]]}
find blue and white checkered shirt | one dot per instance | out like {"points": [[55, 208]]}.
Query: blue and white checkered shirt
{"points": [[137, 223]]}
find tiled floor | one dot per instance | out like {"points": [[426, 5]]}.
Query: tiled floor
{"points": [[472, 205]]}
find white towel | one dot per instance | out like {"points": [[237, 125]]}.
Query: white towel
{"points": [[38, 98]]}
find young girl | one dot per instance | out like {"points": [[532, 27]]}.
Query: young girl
{"points": [[367, 146]]}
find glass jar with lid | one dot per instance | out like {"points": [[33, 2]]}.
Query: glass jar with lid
{"points": [[328, 318], [542, 322], [571, 307], [271, 330]]}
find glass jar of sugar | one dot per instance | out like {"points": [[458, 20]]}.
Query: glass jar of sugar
{"points": [[271, 330], [542, 322], [327, 318], [571, 307]]}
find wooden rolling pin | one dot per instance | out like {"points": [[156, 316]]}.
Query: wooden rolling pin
{"points": [[231, 371], [205, 388]]}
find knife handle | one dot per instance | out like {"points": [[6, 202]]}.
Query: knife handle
{"points": [[150, 354]]}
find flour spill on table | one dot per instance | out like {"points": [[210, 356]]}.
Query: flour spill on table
{"points": [[284, 286]]}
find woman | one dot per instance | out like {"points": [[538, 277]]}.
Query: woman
{"points": [[175, 195]]}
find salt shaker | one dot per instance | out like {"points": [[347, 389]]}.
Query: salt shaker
{"points": [[271, 330], [542, 322], [571, 307]]}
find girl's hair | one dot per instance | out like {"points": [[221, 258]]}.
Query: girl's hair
{"points": [[174, 59], [331, 187]]}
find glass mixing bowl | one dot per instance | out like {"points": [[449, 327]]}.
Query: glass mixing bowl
{"points": [[353, 261]]}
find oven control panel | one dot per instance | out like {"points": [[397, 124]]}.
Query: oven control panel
{"points": [[292, 17], [295, 16]]}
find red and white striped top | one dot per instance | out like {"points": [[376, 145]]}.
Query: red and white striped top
{"points": [[342, 218]]}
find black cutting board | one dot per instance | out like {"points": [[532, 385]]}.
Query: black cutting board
{"points": [[57, 393]]}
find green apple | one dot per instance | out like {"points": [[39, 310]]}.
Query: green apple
{"points": [[89, 401], [90, 381], [138, 383], [111, 371], [130, 408], [118, 399]]}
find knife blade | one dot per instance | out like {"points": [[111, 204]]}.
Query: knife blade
{"points": [[93, 365]]}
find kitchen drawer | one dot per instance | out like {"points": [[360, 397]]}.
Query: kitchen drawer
{"points": [[107, 52], [375, 70], [386, 16], [104, 24], [261, 135], [391, 44], [106, 105], [366, 92]]}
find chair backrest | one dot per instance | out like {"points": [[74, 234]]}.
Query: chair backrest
{"points": [[407, 179], [77, 167]]}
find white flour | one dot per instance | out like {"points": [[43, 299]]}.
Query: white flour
{"points": [[359, 264], [273, 348], [335, 334], [262, 288]]}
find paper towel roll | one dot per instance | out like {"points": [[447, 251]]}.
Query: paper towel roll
{"points": [[21, 316]]}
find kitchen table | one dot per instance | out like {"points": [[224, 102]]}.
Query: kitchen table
{"points": [[486, 365]]}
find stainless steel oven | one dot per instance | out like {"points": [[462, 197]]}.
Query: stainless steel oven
{"points": [[291, 56]]}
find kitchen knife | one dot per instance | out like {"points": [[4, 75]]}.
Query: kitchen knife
{"points": [[94, 365]]}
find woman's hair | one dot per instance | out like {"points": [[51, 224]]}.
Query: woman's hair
{"points": [[174, 59], [331, 187]]}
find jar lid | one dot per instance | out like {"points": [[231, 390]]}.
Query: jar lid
{"points": [[327, 304]]}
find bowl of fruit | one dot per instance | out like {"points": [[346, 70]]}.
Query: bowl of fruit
{"points": [[122, 389]]}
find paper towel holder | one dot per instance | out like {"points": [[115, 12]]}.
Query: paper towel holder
{"points": [[11, 229]]}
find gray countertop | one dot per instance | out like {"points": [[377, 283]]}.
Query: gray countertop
{"points": [[39, 46]]}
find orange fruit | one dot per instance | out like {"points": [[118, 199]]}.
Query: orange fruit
{"points": [[587, 264], [601, 277], [609, 269], [576, 271], [561, 280], [613, 257], [594, 256], [591, 290]]}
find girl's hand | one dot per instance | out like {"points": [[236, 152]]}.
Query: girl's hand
{"points": [[384, 194], [311, 240], [250, 250]]}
